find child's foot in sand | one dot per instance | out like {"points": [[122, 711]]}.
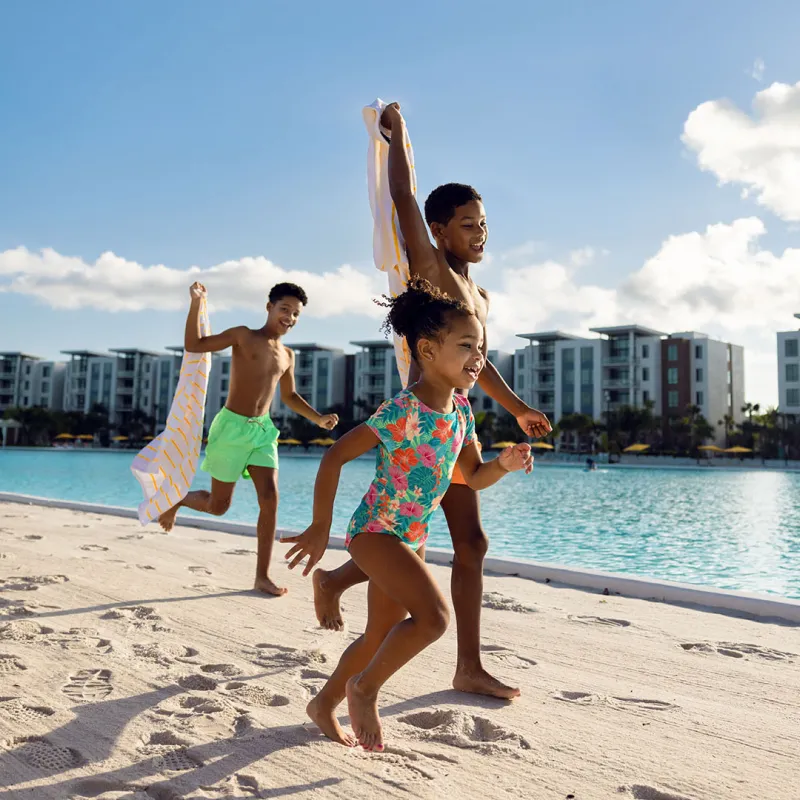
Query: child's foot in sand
{"points": [[364, 717], [268, 587], [167, 519], [479, 681], [325, 719], [326, 603]]}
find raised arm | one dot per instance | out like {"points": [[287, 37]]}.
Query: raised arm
{"points": [[421, 253], [193, 341], [481, 475], [314, 540], [297, 403]]}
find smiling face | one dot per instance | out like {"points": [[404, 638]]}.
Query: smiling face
{"points": [[465, 234], [282, 315], [456, 354]]}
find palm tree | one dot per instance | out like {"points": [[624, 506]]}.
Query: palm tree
{"points": [[730, 425]]}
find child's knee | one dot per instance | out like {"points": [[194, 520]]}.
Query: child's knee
{"points": [[219, 505], [435, 620], [471, 549]]}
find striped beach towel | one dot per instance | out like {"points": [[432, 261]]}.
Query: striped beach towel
{"points": [[388, 246], [166, 467]]}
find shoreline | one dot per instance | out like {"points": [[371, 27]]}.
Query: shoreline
{"points": [[751, 605]]}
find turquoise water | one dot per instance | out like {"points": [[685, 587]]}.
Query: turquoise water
{"points": [[729, 529]]}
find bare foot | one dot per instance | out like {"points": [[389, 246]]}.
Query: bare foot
{"points": [[364, 716], [268, 587], [326, 721], [479, 681], [326, 603], [167, 519]]}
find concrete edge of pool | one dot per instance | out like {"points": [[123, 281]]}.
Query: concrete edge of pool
{"points": [[720, 600]]}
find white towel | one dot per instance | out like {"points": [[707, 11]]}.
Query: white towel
{"points": [[388, 246], [166, 467]]}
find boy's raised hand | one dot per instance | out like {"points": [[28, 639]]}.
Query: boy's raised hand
{"points": [[518, 457], [197, 291], [390, 115], [328, 421], [311, 543]]}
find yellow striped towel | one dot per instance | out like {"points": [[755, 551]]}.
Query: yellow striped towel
{"points": [[166, 467]]}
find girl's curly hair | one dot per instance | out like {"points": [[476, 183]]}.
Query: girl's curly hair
{"points": [[421, 311]]}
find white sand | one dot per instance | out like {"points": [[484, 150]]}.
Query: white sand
{"points": [[136, 665]]}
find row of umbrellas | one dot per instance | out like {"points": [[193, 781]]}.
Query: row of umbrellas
{"points": [[706, 448], [535, 445], [87, 437]]}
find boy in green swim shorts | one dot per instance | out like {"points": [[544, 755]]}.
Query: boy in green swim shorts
{"points": [[243, 440]]}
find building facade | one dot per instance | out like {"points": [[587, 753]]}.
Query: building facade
{"points": [[27, 381], [375, 376], [789, 372], [504, 364]]}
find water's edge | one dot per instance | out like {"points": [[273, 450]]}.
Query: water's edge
{"points": [[757, 606]]}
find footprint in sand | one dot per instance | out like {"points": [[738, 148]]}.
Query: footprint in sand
{"points": [[197, 683], [499, 602], [7, 556], [141, 617], [225, 670], [199, 571], [29, 583], [239, 552], [279, 657], [459, 729], [23, 631], [255, 695], [312, 681], [235, 786], [94, 548], [75, 525], [88, 685], [164, 654], [205, 588], [32, 537], [42, 754], [144, 567], [577, 698], [738, 650], [15, 709], [400, 768], [642, 792], [131, 537], [605, 621], [169, 752], [640, 704], [9, 663], [508, 657], [81, 640]]}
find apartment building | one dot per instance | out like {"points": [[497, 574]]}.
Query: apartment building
{"points": [[375, 376], [27, 381], [504, 363], [789, 372], [320, 378]]}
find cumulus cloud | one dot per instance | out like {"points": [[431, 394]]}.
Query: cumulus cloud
{"points": [[719, 282], [756, 72], [113, 283], [760, 152]]}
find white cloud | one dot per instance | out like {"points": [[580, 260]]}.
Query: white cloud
{"points": [[718, 282], [113, 283], [760, 152], [756, 72]]}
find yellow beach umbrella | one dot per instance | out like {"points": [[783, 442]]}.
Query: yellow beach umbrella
{"points": [[636, 448], [149, 438], [63, 436], [86, 437], [290, 442], [503, 445], [710, 448], [542, 446], [738, 450], [119, 439], [323, 442]]}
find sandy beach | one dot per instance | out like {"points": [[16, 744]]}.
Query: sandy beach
{"points": [[136, 665]]}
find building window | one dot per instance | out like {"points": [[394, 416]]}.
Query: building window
{"points": [[645, 396], [672, 399], [645, 351], [698, 351], [672, 376], [790, 348], [521, 360], [521, 381], [645, 374], [698, 375], [792, 373], [698, 399], [224, 386], [793, 397], [226, 367], [672, 352], [45, 372], [45, 387]]}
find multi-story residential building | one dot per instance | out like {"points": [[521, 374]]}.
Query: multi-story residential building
{"points": [[789, 372], [89, 380], [504, 363], [537, 370], [27, 381], [134, 383], [375, 376], [167, 370], [319, 374]]}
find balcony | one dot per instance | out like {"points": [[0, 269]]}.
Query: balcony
{"points": [[619, 358], [617, 383]]}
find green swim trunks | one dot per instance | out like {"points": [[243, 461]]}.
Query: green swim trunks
{"points": [[236, 442]]}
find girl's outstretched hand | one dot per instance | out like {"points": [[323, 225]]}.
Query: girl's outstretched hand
{"points": [[515, 458], [312, 543]]}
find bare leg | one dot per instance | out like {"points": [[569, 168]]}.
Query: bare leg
{"points": [[399, 574], [215, 502], [265, 480], [383, 615], [461, 506], [328, 588]]}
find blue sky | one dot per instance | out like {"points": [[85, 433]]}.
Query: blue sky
{"points": [[192, 133]]}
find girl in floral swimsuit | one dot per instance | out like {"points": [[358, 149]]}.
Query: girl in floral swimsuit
{"points": [[421, 434]]}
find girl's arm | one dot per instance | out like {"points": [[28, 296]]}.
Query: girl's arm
{"points": [[314, 540], [480, 475]]}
